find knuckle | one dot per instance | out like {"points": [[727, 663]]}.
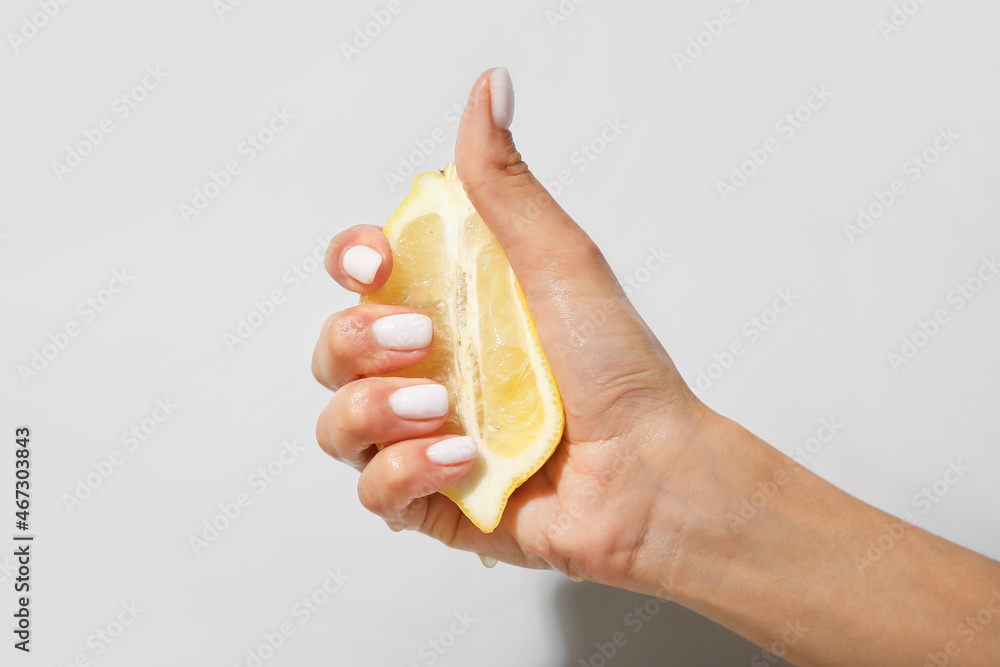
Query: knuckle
{"points": [[355, 406], [374, 363], [343, 329], [408, 488], [591, 253], [514, 164], [412, 516], [369, 499], [397, 478], [317, 373], [321, 434], [430, 484], [385, 495], [445, 530]]}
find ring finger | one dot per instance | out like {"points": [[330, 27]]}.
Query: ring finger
{"points": [[379, 410]]}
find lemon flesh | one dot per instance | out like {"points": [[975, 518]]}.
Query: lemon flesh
{"points": [[449, 266]]}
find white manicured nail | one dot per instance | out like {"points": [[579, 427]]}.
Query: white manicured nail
{"points": [[502, 98], [361, 263], [422, 401], [408, 331], [453, 450]]}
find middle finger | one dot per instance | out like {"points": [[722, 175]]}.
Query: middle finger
{"points": [[370, 340], [382, 410]]}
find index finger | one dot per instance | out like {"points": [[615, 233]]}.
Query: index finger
{"points": [[359, 259]]}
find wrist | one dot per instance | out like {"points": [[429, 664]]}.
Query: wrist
{"points": [[749, 538], [706, 469]]}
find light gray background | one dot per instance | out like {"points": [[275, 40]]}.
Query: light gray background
{"points": [[654, 186]]}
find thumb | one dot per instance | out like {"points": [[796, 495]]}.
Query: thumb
{"points": [[541, 241], [589, 330]]}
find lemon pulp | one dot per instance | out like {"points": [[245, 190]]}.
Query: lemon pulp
{"points": [[449, 266]]}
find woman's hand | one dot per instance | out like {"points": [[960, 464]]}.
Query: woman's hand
{"points": [[649, 490], [627, 408]]}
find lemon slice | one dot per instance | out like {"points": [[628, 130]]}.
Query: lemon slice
{"points": [[448, 266]]}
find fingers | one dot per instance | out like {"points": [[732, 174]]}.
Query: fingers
{"points": [[397, 482], [379, 410], [359, 259], [401, 484], [370, 340]]}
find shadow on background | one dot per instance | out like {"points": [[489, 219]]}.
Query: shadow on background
{"points": [[653, 633]]}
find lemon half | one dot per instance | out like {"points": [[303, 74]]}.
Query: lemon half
{"points": [[449, 266]]}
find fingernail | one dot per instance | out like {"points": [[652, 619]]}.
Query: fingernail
{"points": [[453, 450], [407, 331], [395, 527], [422, 401], [502, 98], [361, 263]]}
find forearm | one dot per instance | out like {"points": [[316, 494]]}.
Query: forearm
{"points": [[794, 564]]}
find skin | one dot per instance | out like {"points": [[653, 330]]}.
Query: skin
{"points": [[646, 489]]}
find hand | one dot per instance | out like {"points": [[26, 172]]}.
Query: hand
{"points": [[649, 488], [627, 408]]}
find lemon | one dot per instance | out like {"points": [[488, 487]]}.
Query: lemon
{"points": [[449, 266]]}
